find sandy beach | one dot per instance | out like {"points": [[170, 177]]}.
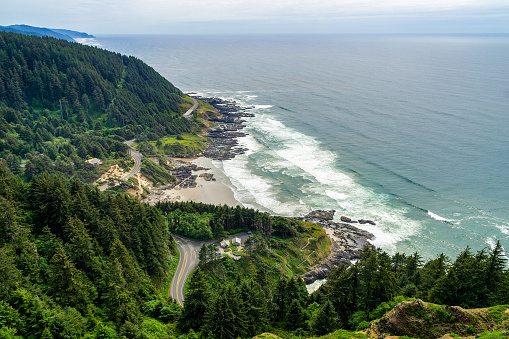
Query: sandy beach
{"points": [[210, 192]]}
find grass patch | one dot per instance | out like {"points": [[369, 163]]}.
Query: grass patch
{"points": [[498, 313], [493, 335], [343, 334], [155, 173], [185, 143], [314, 230], [284, 259]]}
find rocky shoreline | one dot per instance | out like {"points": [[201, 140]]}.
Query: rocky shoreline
{"points": [[347, 240], [223, 143]]}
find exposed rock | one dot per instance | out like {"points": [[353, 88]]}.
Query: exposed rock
{"points": [[183, 172], [364, 221], [347, 244], [223, 144], [425, 320], [207, 176], [345, 219], [321, 214]]}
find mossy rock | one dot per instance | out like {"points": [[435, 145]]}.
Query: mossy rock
{"points": [[425, 320]]}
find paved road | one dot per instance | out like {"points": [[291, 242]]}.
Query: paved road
{"points": [[137, 160], [137, 164], [188, 115], [189, 251]]}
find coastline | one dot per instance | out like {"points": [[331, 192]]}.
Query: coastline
{"points": [[198, 179], [214, 191]]}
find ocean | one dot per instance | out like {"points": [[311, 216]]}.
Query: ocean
{"points": [[409, 131]]}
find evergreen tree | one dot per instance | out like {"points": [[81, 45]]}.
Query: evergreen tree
{"points": [[325, 320], [196, 303], [67, 282], [295, 315]]}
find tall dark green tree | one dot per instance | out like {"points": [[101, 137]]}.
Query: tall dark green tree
{"points": [[196, 303], [325, 320]]}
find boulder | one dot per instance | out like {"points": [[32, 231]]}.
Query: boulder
{"points": [[321, 214], [207, 176], [364, 221]]}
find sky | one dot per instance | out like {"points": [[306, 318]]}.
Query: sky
{"points": [[261, 16]]}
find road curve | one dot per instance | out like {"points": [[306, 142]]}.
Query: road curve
{"points": [[188, 250], [137, 163], [188, 113]]}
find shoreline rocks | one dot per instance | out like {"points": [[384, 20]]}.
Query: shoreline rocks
{"points": [[347, 240], [223, 143]]}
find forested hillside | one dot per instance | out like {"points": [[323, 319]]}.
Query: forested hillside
{"points": [[74, 260], [351, 298], [62, 102]]}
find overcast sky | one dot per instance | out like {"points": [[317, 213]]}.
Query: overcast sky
{"points": [[261, 16]]}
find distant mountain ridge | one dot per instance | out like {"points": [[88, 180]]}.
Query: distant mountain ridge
{"points": [[63, 34]]}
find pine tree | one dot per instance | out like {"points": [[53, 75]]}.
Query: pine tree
{"points": [[325, 320], [196, 302], [67, 282], [81, 245], [295, 316]]}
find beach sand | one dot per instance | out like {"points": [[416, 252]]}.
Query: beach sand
{"points": [[210, 192]]}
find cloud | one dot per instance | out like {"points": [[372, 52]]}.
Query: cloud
{"points": [[152, 16]]}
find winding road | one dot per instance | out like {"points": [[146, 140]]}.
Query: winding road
{"points": [[188, 113], [138, 156], [189, 251], [137, 164], [137, 160]]}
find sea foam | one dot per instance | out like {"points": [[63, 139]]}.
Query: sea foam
{"points": [[439, 218], [289, 173]]}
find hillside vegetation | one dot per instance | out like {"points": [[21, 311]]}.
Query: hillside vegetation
{"points": [[76, 262], [79, 263], [62, 103]]}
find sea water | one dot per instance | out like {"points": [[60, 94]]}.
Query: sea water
{"points": [[409, 131]]}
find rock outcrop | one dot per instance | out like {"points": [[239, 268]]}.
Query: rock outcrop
{"points": [[223, 143], [348, 242], [419, 319], [321, 214]]}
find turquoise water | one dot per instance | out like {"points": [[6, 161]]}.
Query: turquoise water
{"points": [[409, 131]]}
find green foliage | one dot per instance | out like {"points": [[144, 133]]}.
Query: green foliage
{"points": [[175, 145], [75, 262], [62, 103], [211, 221], [325, 320], [492, 335], [499, 313], [155, 173]]}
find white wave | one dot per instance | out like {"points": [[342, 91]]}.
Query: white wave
{"points": [[280, 148], [274, 147], [88, 41], [250, 189], [503, 228], [439, 218], [336, 196], [263, 106]]}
